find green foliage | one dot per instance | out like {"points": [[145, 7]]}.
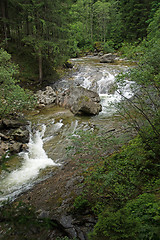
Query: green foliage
{"points": [[41, 27], [94, 21], [143, 110], [135, 27], [81, 204], [139, 219], [123, 187], [12, 97], [153, 29], [117, 187], [98, 46], [124, 174], [115, 21], [132, 50], [108, 47]]}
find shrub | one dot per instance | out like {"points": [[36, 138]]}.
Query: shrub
{"points": [[80, 204], [139, 219], [108, 47], [12, 97]]}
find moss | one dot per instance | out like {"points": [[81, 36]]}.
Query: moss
{"points": [[83, 99]]}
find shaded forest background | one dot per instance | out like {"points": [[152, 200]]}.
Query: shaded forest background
{"points": [[43, 34]]}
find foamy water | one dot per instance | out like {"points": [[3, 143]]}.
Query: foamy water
{"points": [[102, 85], [34, 160]]}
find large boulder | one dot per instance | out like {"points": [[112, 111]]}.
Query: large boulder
{"points": [[85, 105], [107, 58], [81, 101], [46, 97]]}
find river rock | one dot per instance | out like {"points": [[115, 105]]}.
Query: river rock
{"points": [[16, 147], [75, 227], [14, 135], [100, 54], [42, 214], [107, 58], [85, 105], [3, 147], [46, 97], [21, 135], [1, 124], [81, 101], [11, 123], [3, 137], [68, 64]]}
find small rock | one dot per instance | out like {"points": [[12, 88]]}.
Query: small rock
{"points": [[46, 97], [1, 124], [21, 135], [39, 106], [42, 214], [15, 148], [3, 137], [4, 146], [66, 221], [68, 64], [24, 147]]}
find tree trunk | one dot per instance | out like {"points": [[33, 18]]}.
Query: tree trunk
{"points": [[40, 66], [27, 26], [3, 9]]}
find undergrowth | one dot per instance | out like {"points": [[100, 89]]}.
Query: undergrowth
{"points": [[121, 186]]}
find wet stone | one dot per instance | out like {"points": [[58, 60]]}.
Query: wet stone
{"points": [[15, 147], [21, 135]]}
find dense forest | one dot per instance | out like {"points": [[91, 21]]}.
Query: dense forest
{"points": [[47, 33], [122, 189]]}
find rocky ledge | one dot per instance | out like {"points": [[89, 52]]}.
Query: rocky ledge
{"points": [[79, 100], [14, 135], [53, 199]]}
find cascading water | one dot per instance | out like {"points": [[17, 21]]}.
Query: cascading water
{"points": [[101, 79], [33, 161], [47, 145]]}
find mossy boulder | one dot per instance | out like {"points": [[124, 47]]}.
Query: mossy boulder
{"points": [[84, 102], [85, 106]]}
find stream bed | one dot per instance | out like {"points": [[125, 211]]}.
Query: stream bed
{"points": [[51, 127]]}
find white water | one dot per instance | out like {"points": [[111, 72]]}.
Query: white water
{"points": [[101, 81], [34, 160]]}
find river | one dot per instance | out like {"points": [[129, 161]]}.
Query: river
{"points": [[51, 128]]}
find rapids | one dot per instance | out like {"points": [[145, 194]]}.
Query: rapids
{"points": [[51, 127]]}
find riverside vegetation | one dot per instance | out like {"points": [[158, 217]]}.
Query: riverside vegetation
{"points": [[121, 187]]}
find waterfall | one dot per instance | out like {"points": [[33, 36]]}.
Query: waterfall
{"points": [[103, 82], [33, 161]]}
